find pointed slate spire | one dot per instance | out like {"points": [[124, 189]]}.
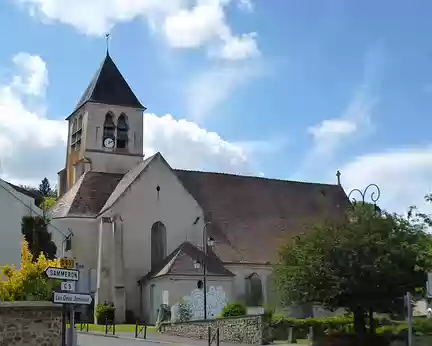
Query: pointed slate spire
{"points": [[109, 87]]}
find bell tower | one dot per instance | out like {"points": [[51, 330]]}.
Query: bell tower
{"points": [[105, 129]]}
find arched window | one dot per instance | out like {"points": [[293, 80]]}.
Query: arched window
{"points": [[158, 243], [254, 291], [109, 127], [122, 131]]}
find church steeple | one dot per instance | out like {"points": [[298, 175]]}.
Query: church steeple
{"points": [[105, 129], [109, 87]]}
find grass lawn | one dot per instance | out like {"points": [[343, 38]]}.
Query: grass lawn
{"points": [[121, 328]]}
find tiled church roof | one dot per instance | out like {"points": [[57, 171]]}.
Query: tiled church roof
{"points": [[249, 216], [109, 87], [87, 196]]}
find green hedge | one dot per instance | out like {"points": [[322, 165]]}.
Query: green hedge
{"points": [[343, 325], [321, 326]]}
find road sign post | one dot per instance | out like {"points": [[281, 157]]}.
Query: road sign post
{"points": [[62, 274], [429, 286], [67, 296]]}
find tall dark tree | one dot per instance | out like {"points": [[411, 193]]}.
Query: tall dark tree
{"points": [[35, 231], [45, 188], [365, 262]]}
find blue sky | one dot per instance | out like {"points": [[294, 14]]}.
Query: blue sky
{"points": [[279, 88]]}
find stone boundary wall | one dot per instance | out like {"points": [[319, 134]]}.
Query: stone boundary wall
{"points": [[30, 323], [243, 330]]}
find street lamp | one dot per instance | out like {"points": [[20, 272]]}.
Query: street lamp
{"points": [[374, 195], [206, 243]]}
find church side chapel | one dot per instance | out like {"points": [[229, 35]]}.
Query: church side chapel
{"points": [[150, 233]]}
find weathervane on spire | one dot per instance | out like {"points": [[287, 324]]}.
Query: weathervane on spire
{"points": [[107, 36]]}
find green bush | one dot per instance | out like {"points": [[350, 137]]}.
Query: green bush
{"points": [[321, 326], [234, 309], [422, 326], [105, 313]]}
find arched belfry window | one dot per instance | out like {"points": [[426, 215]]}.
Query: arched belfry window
{"points": [[122, 131], [254, 290], [108, 130], [158, 243]]}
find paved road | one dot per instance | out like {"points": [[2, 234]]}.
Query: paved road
{"points": [[94, 340]]}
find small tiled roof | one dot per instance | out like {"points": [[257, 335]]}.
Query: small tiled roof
{"points": [[250, 216], [181, 262], [109, 87], [87, 196]]}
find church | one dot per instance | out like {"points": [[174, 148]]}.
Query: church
{"points": [[151, 233]]}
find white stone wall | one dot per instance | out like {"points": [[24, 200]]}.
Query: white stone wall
{"points": [[178, 287], [142, 206], [242, 271]]}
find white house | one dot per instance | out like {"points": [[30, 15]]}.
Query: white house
{"points": [[15, 203]]}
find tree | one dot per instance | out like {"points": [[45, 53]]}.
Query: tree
{"points": [[35, 231], [365, 262], [29, 282], [47, 204], [45, 188]]}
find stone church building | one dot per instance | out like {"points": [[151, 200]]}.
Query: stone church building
{"points": [[140, 224]]}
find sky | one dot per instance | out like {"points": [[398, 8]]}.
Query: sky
{"points": [[286, 89]]}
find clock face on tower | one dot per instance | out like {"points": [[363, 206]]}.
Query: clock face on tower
{"points": [[108, 143]]}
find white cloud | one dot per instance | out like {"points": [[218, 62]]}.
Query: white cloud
{"points": [[239, 47], [208, 91], [33, 74], [30, 143], [404, 177], [33, 146], [191, 28], [184, 23], [330, 134], [185, 145]]}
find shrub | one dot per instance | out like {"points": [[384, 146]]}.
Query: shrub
{"points": [[422, 326], [234, 309], [29, 282], [321, 326], [105, 312]]}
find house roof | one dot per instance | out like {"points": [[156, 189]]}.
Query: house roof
{"points": [[87, 196], [181, 262], [108, 86], [251, 216], [33, 194]]}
